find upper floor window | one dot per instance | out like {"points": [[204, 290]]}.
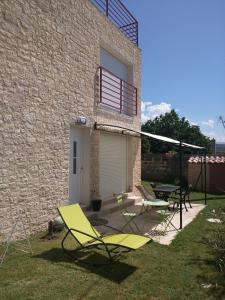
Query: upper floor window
{"points": [[114, 65], [115, 90]]}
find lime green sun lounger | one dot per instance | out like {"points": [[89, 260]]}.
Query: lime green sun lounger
{"points": [[88, 237]]}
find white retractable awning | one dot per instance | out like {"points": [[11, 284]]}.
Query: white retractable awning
{"points": [[150, 135], [192, 146], [160, 137], [169, 140]]}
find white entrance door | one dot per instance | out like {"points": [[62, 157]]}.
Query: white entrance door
{"points": [[79, 186], [75, 166], [113, 164]]}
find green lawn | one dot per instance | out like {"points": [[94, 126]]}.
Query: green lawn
{"points": [[153, 272]]}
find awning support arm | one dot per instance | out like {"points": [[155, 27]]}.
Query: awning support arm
{"points": [[181, 181]]}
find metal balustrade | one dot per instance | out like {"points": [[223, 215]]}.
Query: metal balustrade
{"points": [[116, 93], [116, 11]]}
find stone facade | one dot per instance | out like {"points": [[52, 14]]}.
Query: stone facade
{"points": [[49, 57]]}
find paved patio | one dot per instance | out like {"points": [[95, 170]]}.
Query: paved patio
{"points": [[149, 223], [188, 217]]}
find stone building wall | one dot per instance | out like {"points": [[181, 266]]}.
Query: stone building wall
{"points": [[49, 56]]}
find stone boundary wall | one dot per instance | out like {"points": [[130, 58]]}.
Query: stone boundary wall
{"points": [[196, 178], [215, 174], [163, 167]]}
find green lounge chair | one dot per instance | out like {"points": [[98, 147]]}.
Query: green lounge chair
{"points": [[146, 194], [89, 238], [149, 200]]}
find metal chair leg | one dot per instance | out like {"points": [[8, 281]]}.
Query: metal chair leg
{"points": [[189, 201], [128, 223], [137, 227], [168, 221], [185, 205]]}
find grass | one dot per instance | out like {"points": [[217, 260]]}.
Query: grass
{"points": [[153, 272]]}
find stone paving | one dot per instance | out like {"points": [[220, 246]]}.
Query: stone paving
{"points": [[149, 222]]}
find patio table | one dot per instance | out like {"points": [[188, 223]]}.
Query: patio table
{"points": [[163, 191]]}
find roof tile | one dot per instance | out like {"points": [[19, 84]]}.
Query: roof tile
{"points": [[209, 159]]}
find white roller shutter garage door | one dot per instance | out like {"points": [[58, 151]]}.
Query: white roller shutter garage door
{"points": [[113, 164]]}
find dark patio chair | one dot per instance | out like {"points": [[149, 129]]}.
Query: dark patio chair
{"points": [[175, 199]]}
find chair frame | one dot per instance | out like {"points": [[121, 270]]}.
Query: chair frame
{"points": [[129, 220], [185, 195], [167, 220], [145, 193]]}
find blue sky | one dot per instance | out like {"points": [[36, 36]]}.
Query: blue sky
{"points": [[183, 59]]}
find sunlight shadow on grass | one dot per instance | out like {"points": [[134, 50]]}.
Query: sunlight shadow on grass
{"points": [[117, 271]]}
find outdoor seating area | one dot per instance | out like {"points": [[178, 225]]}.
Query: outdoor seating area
{"points": [[129, 227], [150, 223], [154, 217], [130, 272]]}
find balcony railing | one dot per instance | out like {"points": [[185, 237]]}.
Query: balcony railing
{"points": [[116, 93], [116, 11]]}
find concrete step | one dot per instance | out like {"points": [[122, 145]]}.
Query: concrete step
{"points": [[138, 200], [110, 206]]}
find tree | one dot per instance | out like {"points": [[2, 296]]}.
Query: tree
{"points": [[171, 125]]}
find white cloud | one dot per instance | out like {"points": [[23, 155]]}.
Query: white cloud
{"points": [[209, 128], [193, 123], [219, 137], [208, 123], [212, 129], [150, 111]]}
